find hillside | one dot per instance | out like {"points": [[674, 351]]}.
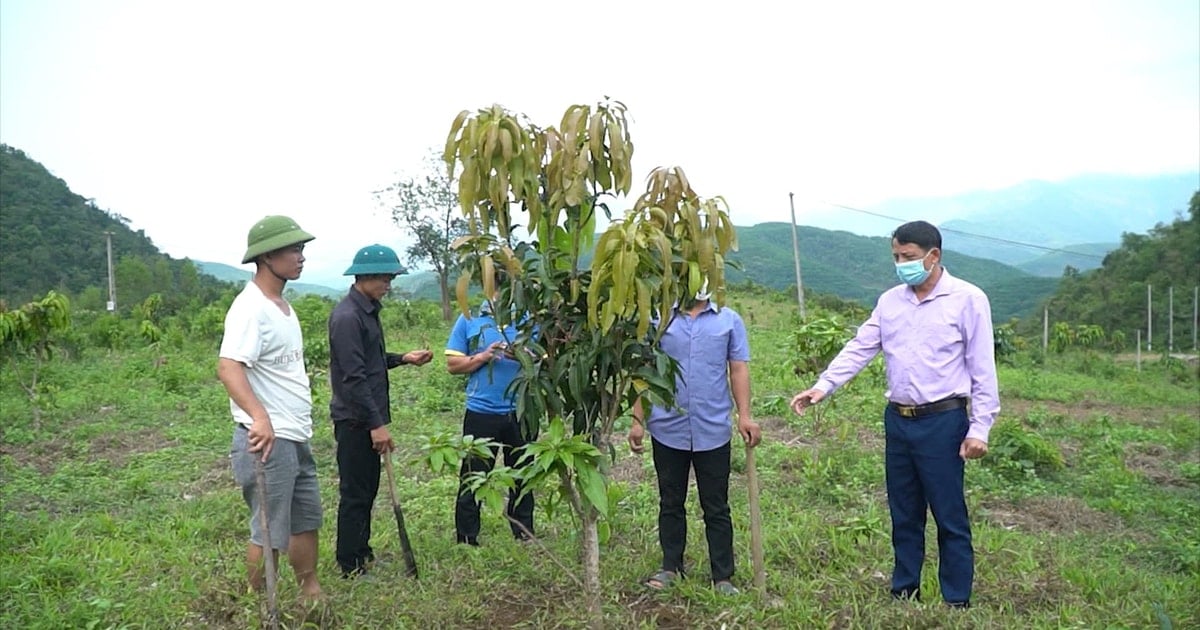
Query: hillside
{"points": [[53, 238], [1081, 257], [859, 268], [1114, 296]]}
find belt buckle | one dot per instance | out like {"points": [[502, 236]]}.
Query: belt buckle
{"points": [[907, 411]]}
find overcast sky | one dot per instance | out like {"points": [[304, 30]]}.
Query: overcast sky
{"points": [[195, 119]]}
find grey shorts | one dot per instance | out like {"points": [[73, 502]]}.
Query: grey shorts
{"points": [[293, 498]]}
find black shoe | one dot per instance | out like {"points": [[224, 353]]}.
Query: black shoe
{"points": [[961, 605], [468, 540]]}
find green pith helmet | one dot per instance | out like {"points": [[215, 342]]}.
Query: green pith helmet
{"points": [[374, 259], [272, 233]]}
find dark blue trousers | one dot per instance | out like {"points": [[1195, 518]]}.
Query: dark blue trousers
{"points": [[925, 472]]}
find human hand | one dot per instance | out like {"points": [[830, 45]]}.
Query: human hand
{"points": [[418, 357], [261, 437], [636, 434], [806, 399], [750, 432], [381, 440], [972, 448]]}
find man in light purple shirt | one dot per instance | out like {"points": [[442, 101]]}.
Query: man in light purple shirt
{"points": [[711, 349], [935, 332]]}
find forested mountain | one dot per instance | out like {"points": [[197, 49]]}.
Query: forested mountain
{"points": [[52, 238], [859, 268], [1114, 296]]}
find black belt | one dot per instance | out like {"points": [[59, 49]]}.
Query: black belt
{"points": [[916, 411]]}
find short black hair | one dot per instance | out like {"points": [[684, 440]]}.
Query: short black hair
{"points": [[920, 233]]}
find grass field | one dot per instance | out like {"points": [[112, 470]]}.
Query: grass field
{"points": [[119, 510]]}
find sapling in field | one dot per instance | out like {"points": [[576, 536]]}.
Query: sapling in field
{"points": [[587, 332]]}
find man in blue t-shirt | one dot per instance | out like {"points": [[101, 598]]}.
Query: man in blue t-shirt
{"points": [[479, 349]]}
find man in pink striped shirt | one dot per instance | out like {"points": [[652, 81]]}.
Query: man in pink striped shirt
{"points": [[935, 332]]}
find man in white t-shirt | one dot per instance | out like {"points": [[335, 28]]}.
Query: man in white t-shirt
{"points": [[261, 365]]}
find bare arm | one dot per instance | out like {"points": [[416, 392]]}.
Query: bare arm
{"points": [[232, 375], [739, 381], [466, 364], [637, 430]]}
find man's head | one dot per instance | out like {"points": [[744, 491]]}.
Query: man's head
{"points": [[917, 251], [374, 268], [277, 243]]}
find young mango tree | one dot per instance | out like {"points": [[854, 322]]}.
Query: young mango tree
{"points": [[29, 332], [588, 333]]}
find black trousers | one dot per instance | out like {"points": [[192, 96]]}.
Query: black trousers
{"points": [[712, 482], [358, 470], [507, 431]]}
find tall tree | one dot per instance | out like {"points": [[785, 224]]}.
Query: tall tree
{"points": [[425, 207], [587, 339]]}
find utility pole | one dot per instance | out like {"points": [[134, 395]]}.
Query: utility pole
{"points": [[1149, 321], [796, 256], [1171, 319], [1045, 328], [112, 283], [1195, 318]]}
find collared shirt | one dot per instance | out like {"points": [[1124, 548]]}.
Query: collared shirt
{"points": [[487, 387], [936, 348], [358, 362], [703, 346]]}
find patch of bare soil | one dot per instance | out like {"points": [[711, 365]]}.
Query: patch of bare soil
{"points": [[42, 456], [1156, 463], [817, 431], [629, 467], [217, 476], [232, 606], [222, 608], [1053, 514], [525, 608], [648, 607], [118, 448], [1086, 408], [1040, 591]]}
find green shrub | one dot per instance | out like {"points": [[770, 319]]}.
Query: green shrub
{"points": [[1017, 452]]}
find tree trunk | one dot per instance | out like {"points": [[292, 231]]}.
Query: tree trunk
{"points": [[591, 567], [444, 285], [590, 552]]}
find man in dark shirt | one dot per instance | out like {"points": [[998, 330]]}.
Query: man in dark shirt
{"points": [[358, 365]]}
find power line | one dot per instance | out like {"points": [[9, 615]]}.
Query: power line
{"points": [[982, 236]]}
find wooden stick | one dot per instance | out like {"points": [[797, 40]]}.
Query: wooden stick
{"points": [[756, 541], [260, 480]]}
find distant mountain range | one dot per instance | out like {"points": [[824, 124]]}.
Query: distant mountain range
{"points": [[992, 238], [859, 268], [419, 285], [1084, 215]]}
